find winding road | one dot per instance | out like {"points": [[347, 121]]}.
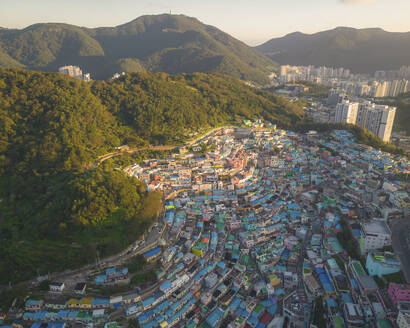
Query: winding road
{"points": [[104, 157]]}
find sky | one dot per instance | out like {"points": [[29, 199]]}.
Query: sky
{"points": [[252, 21]]}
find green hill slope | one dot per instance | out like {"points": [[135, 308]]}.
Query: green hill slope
{"points": [[402, 119], [54, 214], [160, 43], [50, 123], [165, 108], [403, 113], [361, 50], [7, 61]]}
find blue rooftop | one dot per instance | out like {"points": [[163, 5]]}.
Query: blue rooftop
{"points": [[148, 301], [152, 252], [56, 324], [215, 317]]}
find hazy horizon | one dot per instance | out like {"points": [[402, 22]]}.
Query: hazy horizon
{"points": [[253, 23]]}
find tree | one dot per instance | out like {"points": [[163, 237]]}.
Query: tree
{"points": [[320, 313], [44, 285]]}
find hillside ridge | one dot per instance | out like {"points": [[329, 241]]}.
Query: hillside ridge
{"points": [[361, 50], [159, 43]]}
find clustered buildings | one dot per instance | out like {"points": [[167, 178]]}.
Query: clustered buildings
{"points": [[292, 74], [344, 105], [382, 84], [252, 219], [376, 118], [337, 108], [255, 224]]}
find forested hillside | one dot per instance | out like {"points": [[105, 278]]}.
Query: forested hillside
{"points": [[50, 123], [164, 108], [158, 43], [402, 118], [56, 212]]}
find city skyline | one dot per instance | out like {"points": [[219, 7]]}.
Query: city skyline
{"points": [[253, 23]]}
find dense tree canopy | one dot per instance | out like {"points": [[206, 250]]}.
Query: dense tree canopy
{"points": [[56, 212], [402, 118], [49, 223], [50, 123], [163, 108]]}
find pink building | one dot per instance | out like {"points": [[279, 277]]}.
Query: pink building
{"points": [[399, 293]]}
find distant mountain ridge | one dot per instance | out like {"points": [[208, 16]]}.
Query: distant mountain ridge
{"points": [[361, 50], [159, 43]]}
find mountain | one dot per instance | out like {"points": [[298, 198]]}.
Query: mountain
{"points": [[56, 214], [160, 43], [361, 50]]}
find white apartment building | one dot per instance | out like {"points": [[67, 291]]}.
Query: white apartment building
{"points": [[363, 113], [57, 287], [73, 71], [381, 89], [385, 120], [298, 73], [397, 87], [346, 112], [378, 119], [390, 88], [375, 235], [404, 71]]}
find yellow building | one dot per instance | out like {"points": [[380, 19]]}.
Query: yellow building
{"points": [[85, 302], [72, 303], [197, 252], [274, 280]]}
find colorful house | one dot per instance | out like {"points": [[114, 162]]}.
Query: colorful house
{"points": [[379, 264], [152, 254], [399, 293]]}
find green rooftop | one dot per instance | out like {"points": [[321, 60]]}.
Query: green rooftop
{"points": [[358, 268], [384, 323], [258, 308], [333, 264], [338, 322]]}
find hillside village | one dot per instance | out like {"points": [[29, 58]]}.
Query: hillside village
{"points": [[262, 227]]}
